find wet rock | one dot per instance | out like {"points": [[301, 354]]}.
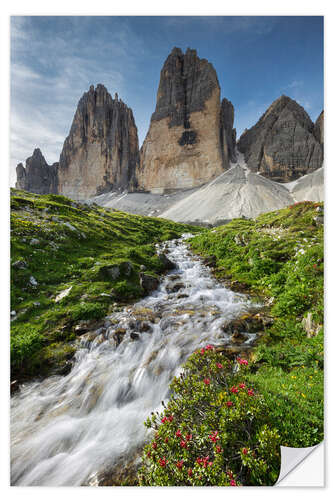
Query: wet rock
{"points": [[126, 268], [319, 220], [134, 336], [149, 283], [112, 271], [238, 338], [144, 327], [142, 268], [248, 323], [20, 264], [210, 261], [14, 385], [85, 326], [13, 313], [174, 277], [168, 265], [119, 335], [33, 281], [182, 296], [174, 287]]}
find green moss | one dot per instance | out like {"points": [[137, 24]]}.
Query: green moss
{"points": [[61, 244]]}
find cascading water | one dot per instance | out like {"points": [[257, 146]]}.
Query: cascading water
{"points": [[64, 430]]}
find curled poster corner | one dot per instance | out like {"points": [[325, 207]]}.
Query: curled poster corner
{"points": [[291, 458]]}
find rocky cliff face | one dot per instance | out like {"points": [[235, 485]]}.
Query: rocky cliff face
{"points": [[101, 152], [282, 145], [318, 130], [182, 148], [228, 133], [37, 176]]}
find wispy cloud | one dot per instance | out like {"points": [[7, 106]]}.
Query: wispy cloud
{"points": [[295, 84], [52, 64]]}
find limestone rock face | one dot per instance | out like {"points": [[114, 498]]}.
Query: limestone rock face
{"points": [[228, 133], [37, 176], [282, 145], [318, 130], [101, 151], [182, 148]]}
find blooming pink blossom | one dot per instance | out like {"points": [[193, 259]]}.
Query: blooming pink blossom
{"points": [[219, 365], [183, 444], [229, 403], [163, 462], [178, 434], [233, 483], [206, 381], [179, 464], [250, 392], [234, 389]]}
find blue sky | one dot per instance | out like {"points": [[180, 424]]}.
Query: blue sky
{"points": [[55, 59]]}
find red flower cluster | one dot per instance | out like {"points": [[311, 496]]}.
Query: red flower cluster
{"points": [[204, 461], [250, 392], [188, 437], [214, 437], [208, 347], [242, 386], [190, 472], [164, 419], [219, 365], [234, 389], [183, 444], [154, 445], [233, 482], [244, 451], [178, 434], [179, 464], [242, 361], [206, 381], [218, 449], [163, 462], [229, 403]]}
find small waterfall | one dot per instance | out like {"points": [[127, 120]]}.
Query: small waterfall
{"points": [[66, 429]]}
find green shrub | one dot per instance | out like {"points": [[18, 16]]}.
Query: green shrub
{"points": [[214, 431]]}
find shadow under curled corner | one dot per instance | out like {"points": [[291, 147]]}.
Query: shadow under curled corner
{"points": [[302, 466]]}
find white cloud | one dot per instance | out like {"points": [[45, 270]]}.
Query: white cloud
{"points": [[51, 70], [294, 84]]}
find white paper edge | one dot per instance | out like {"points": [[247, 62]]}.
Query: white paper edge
{"points": [[302, 466]]}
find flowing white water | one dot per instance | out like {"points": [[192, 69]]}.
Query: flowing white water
{"points": [[66, 429]]}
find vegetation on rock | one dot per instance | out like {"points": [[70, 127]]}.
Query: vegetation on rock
{"points": [[224, 426], [280, 256], [72, 262]]}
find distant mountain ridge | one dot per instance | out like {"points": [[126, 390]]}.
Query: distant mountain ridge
{"points": [[191, 140]]}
